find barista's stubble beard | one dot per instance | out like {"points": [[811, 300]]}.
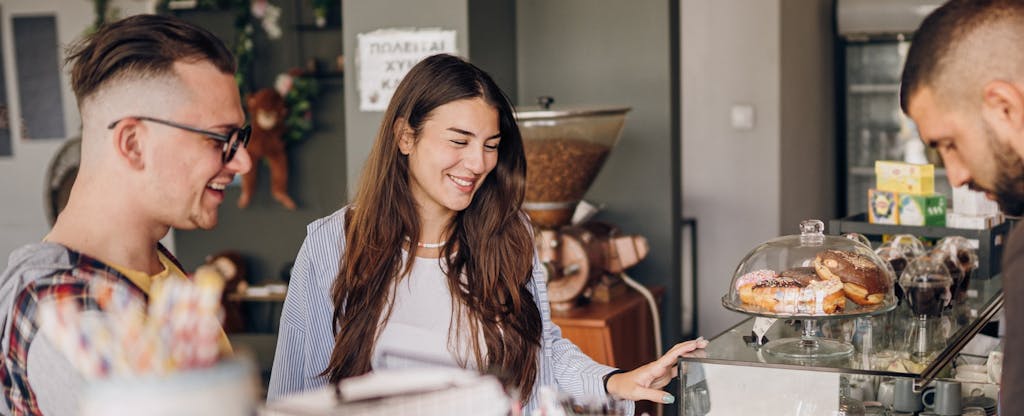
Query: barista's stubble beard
{"points": [[1009, 181]]}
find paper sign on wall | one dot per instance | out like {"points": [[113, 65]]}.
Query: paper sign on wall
{"points": [[386, 55]]}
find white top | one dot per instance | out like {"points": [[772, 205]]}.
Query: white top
{"points": [[420, 331]]}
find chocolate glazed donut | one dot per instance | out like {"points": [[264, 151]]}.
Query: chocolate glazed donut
{"points": [[804, 275], [862, 279]]}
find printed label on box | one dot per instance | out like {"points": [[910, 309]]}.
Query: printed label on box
{"points": [[882, 207], [922, 209]]}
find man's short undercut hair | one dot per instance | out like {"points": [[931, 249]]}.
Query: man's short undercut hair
{"points": [[935, 50], [141, 46]]}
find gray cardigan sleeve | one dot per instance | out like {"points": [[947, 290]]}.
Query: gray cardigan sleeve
{"points": [[573, 371], [56, 382]]}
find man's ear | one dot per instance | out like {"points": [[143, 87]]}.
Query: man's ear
{"points": [[1003, 109], [127, 141], [405, 136]]}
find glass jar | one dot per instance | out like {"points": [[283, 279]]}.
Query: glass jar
{"points": [[958, 254], [897, 260], [910, 245], [926, 284], [565, 149]]}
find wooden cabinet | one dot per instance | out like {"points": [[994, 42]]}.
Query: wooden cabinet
{"points": [[619, 333]]}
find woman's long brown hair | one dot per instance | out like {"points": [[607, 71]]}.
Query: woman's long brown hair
{"points": [[489, 252]]}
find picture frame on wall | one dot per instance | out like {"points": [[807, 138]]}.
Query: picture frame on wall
{"points": [[37, 96]]}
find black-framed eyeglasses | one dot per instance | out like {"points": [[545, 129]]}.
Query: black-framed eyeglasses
{"points": [[237, 136]]}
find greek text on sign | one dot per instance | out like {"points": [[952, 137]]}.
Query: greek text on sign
{"points": [[386, 55]]}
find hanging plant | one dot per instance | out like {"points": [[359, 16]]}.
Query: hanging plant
{"points": [[243, 52], [100, 9], [299, 90], [243, 44]]}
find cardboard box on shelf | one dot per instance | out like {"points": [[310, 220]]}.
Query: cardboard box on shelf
{"points": [[972, 222], [904, 178], [922, 209], [883, 207], [974, 203]]}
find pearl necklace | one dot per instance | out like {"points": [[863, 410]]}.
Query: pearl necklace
{"points": [[421, 244]]}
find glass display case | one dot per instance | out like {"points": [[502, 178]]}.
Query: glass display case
{"points": [[719, 379], [827, 328]]}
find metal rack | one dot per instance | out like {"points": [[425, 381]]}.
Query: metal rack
{"points": [[990, 241]]}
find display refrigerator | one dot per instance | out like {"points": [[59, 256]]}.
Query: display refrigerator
{"points": [[873, 37]]}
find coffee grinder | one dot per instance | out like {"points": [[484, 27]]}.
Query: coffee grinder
{"points": [[565, 149]]}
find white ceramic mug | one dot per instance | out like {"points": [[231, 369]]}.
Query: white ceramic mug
{"points": [[980, 389], [886, 392]]}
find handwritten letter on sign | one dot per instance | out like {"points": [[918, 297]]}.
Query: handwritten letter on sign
{"points": [[386, 55]]}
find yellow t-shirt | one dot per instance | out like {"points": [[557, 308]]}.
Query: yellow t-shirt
{"points": [[144, 282]]}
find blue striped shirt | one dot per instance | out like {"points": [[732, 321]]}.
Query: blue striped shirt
{"points": [[305, 340]]}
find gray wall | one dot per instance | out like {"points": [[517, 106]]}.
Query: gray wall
{"points": [[731, 178], [611, 52], [492, 41], [366, 16], [747, 186], [265, 232], [807, 113]]}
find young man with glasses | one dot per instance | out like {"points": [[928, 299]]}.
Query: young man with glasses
{"points": [[163, 133]]}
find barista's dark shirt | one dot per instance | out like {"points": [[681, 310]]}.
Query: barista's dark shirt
{"points": [[1012, 390]]}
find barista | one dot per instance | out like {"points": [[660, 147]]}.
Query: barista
{"points": [[963, 84]]}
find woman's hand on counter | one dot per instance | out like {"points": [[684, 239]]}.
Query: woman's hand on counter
{"points": [[645, 382]]}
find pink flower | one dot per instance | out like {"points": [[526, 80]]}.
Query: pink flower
{"points": [[259, 8]]}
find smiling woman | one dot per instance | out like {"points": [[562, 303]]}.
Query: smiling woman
{"points": [[434, 259]]}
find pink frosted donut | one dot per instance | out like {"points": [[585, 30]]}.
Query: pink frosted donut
{"points": [[755, 277]]}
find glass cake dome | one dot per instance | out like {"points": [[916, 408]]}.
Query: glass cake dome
{"points": [[811, 274]]}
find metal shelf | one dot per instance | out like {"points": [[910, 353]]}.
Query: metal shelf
{"points": [[990, 241]]}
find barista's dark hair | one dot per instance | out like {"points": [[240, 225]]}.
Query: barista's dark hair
{"points": [[940, 34], [141, 46]]}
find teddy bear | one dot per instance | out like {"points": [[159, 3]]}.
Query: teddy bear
{"points": [[267, 111], [233, 268]]}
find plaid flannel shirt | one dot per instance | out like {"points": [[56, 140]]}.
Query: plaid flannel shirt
{"points": [[71, 284]]}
